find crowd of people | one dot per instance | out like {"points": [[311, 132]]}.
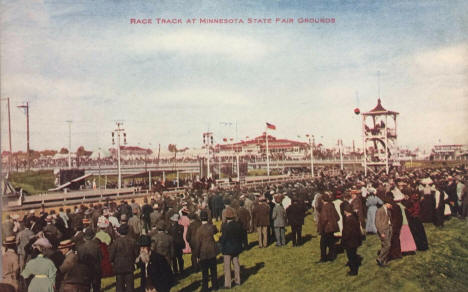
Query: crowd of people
{"points": [[73, 249]]}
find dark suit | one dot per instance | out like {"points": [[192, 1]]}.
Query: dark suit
{"points": [[384, 229], [296, 214], [231, 242], [89, 253], [123, 252], [261, 220], [75, 276], [244, 218], [327, 225], [190, 236], [351, 240], [206, 251]]}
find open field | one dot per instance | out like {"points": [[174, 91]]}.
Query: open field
{"points": [[443, 267]]}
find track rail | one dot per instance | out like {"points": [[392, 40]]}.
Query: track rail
{"points": [[53, 200]]}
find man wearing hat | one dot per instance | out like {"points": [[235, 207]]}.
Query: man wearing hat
{"points": [[244, 218], [195, 223], [123, 252], [231, 241], [327, 226], [89, 253], [279, 221], [7, 227], [295, 215], [156, 272], [162, 242], [135, 224], [206, 251], [22, 239], [176, 231], [51, 231], [261, 220], [384, 229], [227, 203], [146, 212], [351, 238], [10, 262], [74, 273]]}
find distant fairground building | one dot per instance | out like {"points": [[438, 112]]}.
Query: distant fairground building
{"points": [[449, 152], [256, 147]]}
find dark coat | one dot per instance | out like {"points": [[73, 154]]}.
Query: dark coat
{"points": [[296, 214], [351, 234], [192, 232], [232, 238], [218, 202], [162, 243], [205, 243], [357, 206], [328, 220], [397, 221], [74, 271], [261, 215], [244, 217], [159, 271], [177, 232], [123, 252], [89, 253]]}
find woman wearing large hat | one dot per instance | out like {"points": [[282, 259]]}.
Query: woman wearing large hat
{"points": [[41, 268]]}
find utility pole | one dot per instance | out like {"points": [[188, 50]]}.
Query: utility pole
{"points": [[69, 143], [25, 107], [267, 153], [10, 155], [340, 147], [117, 133], [9, 136], [311, 145], [99, 165], [207, 141]]}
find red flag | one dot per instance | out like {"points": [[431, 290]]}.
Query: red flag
{"points": [[271, 126], [224, 139]]}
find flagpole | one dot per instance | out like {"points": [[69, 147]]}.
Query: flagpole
{"points": [[267, 152]]}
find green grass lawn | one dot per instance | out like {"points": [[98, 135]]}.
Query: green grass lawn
{"points": [[443, 267], [33, 182]]}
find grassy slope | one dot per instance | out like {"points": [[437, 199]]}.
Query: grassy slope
{"points": [[33, 181], [443, 267]]}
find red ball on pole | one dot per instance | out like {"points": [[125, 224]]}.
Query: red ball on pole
{"points": [[357, 111]]}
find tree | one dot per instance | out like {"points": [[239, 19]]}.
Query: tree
{"points": [[81, 151], [48, 152], [63, 150]]}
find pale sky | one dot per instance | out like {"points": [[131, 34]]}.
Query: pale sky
{"points": [[84, 61]]}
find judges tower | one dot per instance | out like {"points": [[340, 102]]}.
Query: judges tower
{"points": [[379, 134]]}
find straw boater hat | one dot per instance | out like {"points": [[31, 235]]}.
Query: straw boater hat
{"points": [[66, 244], [9, 241]]}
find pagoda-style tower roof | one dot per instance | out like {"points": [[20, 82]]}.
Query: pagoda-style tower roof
{"points": [[379, 110]]}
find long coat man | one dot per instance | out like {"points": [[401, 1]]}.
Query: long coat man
{"points": [[261, 220], [384, 229]]}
